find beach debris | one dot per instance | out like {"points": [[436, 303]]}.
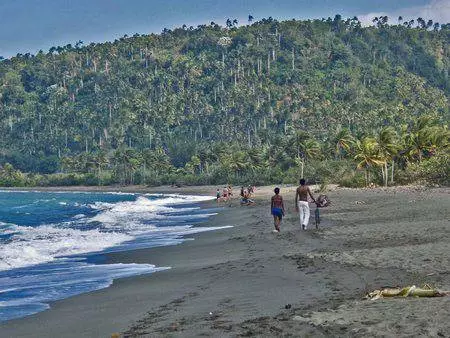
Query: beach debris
{"points": [[287, 306], [360, 202], [408, 291], [115, 335]]}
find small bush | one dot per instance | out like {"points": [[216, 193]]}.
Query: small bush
{"points": [[430, 171]]}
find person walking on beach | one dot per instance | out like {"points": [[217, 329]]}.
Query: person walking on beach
{"points": [[218, 195], [301, 203], [225, 194], [277, 209], [230, 191]]}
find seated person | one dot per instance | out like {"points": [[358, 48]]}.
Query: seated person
{"points": [[246, 199]]}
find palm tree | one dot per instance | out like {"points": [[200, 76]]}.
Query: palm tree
{"points": [[254, 158], [387, 147], [421, 23], [367, 155], [101, 161], [440, 138], [306, 148], [237, 162], [127, 162], [297, 142], [194, 164], [311, 149], [419, 139], [343, 141], [68, 164]]}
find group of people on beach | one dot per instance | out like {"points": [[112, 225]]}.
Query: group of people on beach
{"points": [[227, 194], [301, 205], [277, 203]]}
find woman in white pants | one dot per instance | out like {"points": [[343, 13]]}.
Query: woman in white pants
{"points": [[301, 203]]}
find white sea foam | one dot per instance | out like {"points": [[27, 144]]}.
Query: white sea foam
{"points": [[69, 192], [143, 208], [30, 246], [168, 199], [8, 228], [114, 227], [119, 222]]}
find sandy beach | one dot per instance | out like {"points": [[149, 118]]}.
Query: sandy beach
{"points": [[249, 281]]}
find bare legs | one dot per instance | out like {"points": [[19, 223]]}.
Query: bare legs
{"points": [[276, 223]]}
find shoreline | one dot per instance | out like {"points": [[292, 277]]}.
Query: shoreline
{"points": [[209, 189], [100, 257], [167, 189], [139, 256], [238, 281]]}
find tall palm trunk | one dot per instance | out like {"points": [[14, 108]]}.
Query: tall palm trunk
{"points": [[392, 172], [386, 173], [99, 173]]}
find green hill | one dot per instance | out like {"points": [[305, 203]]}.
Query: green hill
{"points": [[257, 103]]}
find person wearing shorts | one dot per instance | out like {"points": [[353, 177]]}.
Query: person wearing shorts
{"points": [[277, 209]]}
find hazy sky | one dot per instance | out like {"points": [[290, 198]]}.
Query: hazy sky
{"points": [[30, 25]]}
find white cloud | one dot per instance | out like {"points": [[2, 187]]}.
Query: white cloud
{"points": [[436, 10]]}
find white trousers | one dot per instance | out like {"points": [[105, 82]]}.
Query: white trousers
{"points": [[303, 208]]}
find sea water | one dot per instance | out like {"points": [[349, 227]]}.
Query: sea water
{"points": [[52, 243]]}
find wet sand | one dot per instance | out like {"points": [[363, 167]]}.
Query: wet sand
{"points": [[248, 281]]}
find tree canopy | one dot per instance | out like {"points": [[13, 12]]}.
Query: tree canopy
{"points": [[222, 103]]}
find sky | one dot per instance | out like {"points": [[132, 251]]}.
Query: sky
{"points": [[31, 25]]}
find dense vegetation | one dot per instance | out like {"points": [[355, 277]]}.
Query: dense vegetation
{"points": [[264, 103]]}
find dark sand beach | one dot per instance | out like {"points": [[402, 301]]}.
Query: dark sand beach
{"points": [[248, 281]]}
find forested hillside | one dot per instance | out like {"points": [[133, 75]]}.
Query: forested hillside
{"points": [[266, 102]]}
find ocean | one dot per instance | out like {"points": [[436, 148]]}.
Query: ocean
{"points": [[52, 244]]}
